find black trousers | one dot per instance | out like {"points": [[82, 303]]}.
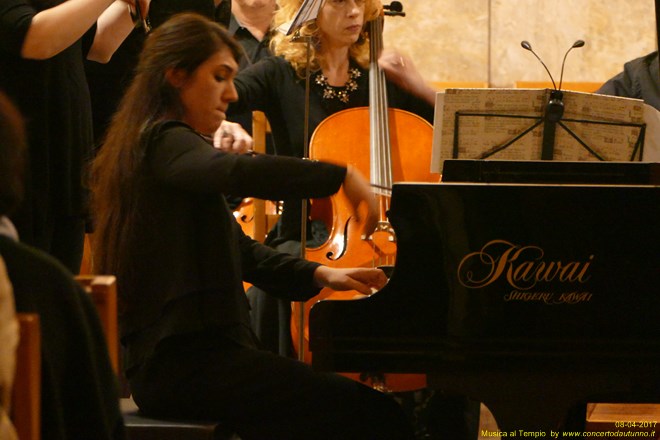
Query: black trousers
{"points": [[262, 395]]}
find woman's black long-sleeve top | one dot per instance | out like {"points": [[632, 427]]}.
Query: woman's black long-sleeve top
{"points": [[185, 257]]}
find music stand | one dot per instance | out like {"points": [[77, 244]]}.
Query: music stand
{"points": [[512, 124]]}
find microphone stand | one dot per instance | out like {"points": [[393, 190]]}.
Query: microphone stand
{"points": [[554, 111]]}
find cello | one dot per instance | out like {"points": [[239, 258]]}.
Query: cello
{"points": [[397, 147]]}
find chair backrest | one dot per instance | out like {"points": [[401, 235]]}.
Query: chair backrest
{"points": [[103, 290], [260, 128], [87, 263], [26, 393], [444, 85], [576, 86], [256, 216]]}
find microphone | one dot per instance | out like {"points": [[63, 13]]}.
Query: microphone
{"points": [[578, 43], [394, 8], [525, 44]]}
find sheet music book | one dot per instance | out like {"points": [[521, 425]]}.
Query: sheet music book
{"points": [[308, 11], [490, 118]]}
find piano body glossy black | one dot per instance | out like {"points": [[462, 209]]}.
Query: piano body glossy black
{"points": [[529, 297]]}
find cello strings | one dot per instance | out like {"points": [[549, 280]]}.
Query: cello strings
{"points": [[380, 144]]}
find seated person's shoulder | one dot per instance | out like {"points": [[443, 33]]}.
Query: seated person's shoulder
{"points": [[641, 65], [646, 59]]}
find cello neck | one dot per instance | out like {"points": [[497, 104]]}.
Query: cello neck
{"points": [[381, 166]]}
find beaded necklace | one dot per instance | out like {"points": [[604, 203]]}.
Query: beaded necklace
{"points": [[340, 93]]}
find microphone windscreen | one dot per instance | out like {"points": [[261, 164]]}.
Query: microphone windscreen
{"points": [[396, 6]]}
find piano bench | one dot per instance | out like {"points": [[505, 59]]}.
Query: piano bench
{"points": [[139, 427]]}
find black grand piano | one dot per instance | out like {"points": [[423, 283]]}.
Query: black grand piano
{"points": [[531, 287]]}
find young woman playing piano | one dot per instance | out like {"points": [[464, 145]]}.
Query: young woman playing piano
{"points": [[164, 228]]}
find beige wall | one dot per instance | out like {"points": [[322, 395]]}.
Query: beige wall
{"points": [[479, 40]]}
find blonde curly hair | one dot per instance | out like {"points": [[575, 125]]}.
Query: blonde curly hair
{"points": [[296, 53]]}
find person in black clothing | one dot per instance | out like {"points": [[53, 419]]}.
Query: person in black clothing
{"points": [[41, 69], [164, 228], [250, 25], [10, 138], [639, 79], [79, 389], [107, 81]]}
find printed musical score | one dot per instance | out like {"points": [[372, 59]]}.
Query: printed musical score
{"points": [[489, 119]]}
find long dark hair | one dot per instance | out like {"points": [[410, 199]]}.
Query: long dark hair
{"points": [[183, 42]]}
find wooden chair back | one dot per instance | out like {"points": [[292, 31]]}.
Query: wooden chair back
{"points": [[87, 263], [575, 86], [103, 291], [256, 216], [26, 393], [260, 128]]}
